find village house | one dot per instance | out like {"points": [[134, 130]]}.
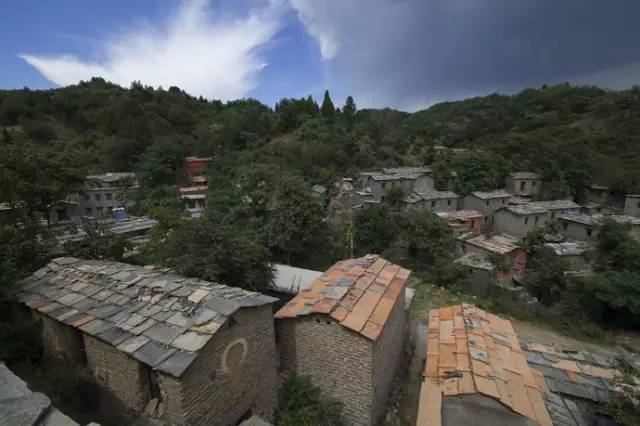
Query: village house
{"points": [[476, 373], [524, 184], [346, 331], [409, 179], [432, 200], [518, 220], [583, 227], [193, 190], [573, 252], [462, 221], [504, 245], [100, 194], [186, 351], [632, 205], [487, 203]]}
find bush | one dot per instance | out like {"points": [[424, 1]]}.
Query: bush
{"points": [[300, 404]]}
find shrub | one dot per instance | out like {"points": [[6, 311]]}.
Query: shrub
{"points": [[300, 404]]}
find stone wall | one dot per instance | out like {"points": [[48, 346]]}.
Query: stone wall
{"points": [[486, 207], [61, 342], [338, 360], [506, 222], [233, 374], [387, 354], [123, 381]]}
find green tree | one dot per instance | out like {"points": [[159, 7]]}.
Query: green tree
{"points": [[428, 238], [327, 109], [301, 404], [373, 230], [349, 108]]}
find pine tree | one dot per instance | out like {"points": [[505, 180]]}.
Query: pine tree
{"points": [[349, 108], [327, 109]]}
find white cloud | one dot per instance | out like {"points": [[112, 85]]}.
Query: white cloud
{"points": [[314, 18], [212, 58]]}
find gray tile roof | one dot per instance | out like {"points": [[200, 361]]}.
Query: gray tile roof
{"points": [[487, 195], [525, 175], [397, 173], [596, 219], [538, 207], [159, 318]]}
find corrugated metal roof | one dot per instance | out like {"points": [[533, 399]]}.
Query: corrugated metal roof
{"points": [[470, 351], [500, 243], [486, 195], [158, 318], [358, 293]]}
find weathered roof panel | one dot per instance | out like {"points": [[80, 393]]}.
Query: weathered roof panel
{"points": [[148, 313]]}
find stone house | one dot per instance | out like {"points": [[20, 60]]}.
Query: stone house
{"points": [[504, 245], [347, 332], [518, 220], [583, 227], [487, 203], [476, 373], [435, 201], [632, 205], [193, 189], [410, 179], [462, 221], [573, 252], [524, 184], [101, 193], [199, 353]]}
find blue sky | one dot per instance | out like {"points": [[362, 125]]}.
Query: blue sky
{"points": [[405, 54]]}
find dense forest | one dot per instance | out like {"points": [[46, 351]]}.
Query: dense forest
{"points": [[259, 206]]}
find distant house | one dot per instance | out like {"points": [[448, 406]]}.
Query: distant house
{"points": [[585, 227], [319, 191], [487, 203], [346, 331], [476, 373], [518, 220], [193, 190], [632, 205], [525, 184], [100, 194], [432, 200], [462, 221], [573, 252], [410, 179], [504, 245], [198, 352]]}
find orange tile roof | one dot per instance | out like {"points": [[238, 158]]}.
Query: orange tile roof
{"points": [[471, 351], [358, 293]]}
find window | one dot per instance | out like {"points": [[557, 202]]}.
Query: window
{"points": [[448, 202], [97, 197], [503, 201], [108, 196], [86, 197], [382, 199], [191, 204], [526, 220], [589, 232], [522, 186], [487, 202], [533, 183], [433, 204], [384, 184], [553, 215], [536, 220], [88, 210], [486, 219]]}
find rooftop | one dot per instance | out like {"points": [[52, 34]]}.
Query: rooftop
{"points": [[397, 173], [292, 280], [498, 193], [525, 175], [112, 176], [519, 200], [193, 158], [133, 224], [470, 351], [539, 207], [358, 293], [475, 262], [596, 219], [569, 248], [462, 215], [319, 189], [500, 243], [158, 318], [436, 195]]}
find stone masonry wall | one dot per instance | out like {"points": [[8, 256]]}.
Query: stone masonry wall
{"points": [[338, 360], [62, 343], [210, 394], [387, 354], [123, 381]]}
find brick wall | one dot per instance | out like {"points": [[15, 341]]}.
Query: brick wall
{"points": [[206, 394], [338, 360], [123, 381], [61, 343], [387, 354]]}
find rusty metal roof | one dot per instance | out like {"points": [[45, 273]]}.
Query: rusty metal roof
{"points": [[470, 351], [159, 318], [358, 293]]}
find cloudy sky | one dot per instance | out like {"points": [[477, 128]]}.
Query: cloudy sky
{"points": [[405, 54]]}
